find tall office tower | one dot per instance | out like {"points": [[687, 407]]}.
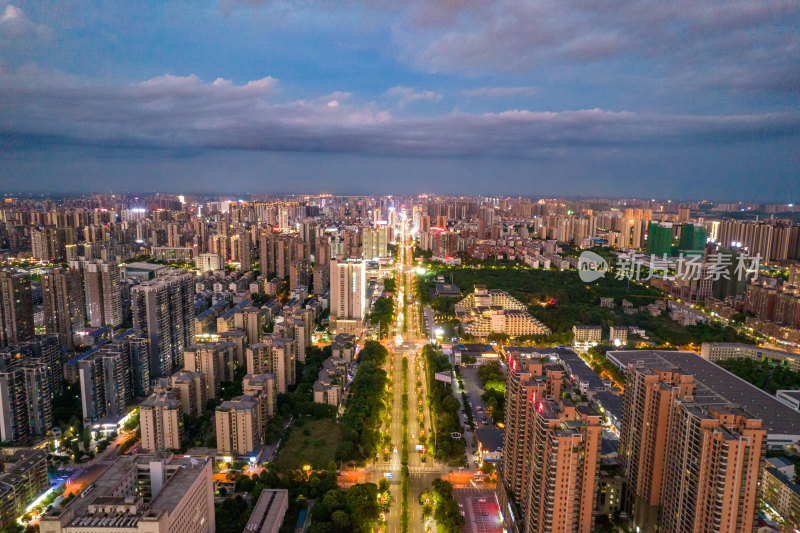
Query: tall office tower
{"points": [[692, 460], [161, 493], [527, 380], [26, 406], [161, 422], [244, 251], [62, 299], [375, 241], [163, 313], [16, 309], [190, 389], [348, 289], [103, 289], [238, 425], [252, 321], [560, 484], [659, 238], [215, 361]]}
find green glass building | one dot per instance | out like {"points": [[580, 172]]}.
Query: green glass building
{"points": [[693, 238], [659, 238]]}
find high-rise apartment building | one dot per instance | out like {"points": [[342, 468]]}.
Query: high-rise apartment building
{"points": [[26, 406], [276, 355], [375, 241], [112, 375], [190, 389], [244, 250], [262, 386], [24, 480], [63, 303], [16, 308], [163, 313], [563, 449], [215, 361], [551, 448], [252, 321], [103, 292], [161, 422], [692, 459], [238, 424], [659, 238], [348, 289]]}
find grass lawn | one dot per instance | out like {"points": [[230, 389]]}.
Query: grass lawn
{"points": [[312, 444]]}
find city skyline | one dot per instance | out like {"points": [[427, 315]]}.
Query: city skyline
{"points": [[691, 99]]}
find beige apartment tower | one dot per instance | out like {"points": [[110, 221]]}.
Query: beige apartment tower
{"points": [[161, 421]]}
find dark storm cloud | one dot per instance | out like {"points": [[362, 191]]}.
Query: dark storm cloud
{"points": [[185, 112]]}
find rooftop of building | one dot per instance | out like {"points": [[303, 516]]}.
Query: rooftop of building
{"points": [[716, 386], [490, 437], [269, 509], [783, 478]]}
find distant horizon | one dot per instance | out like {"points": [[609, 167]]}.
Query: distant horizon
{"points": [[246, 195]]}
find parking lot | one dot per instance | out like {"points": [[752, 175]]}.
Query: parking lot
{"points": [[481, 510]]}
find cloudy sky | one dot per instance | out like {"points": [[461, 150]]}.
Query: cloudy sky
{"points": [[681, 99]]}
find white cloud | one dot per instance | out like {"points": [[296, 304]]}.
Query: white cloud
{"points": [[501, 92], [19, 34], [11, 13], [406, 95]]}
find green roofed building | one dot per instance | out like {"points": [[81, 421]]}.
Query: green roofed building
{"points": [[659, 238], [693, 238]]}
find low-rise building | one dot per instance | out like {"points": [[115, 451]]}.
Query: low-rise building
{"points": [[587, 334], [618, 334], [722, 351], [267, 515], [159, 493]]}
